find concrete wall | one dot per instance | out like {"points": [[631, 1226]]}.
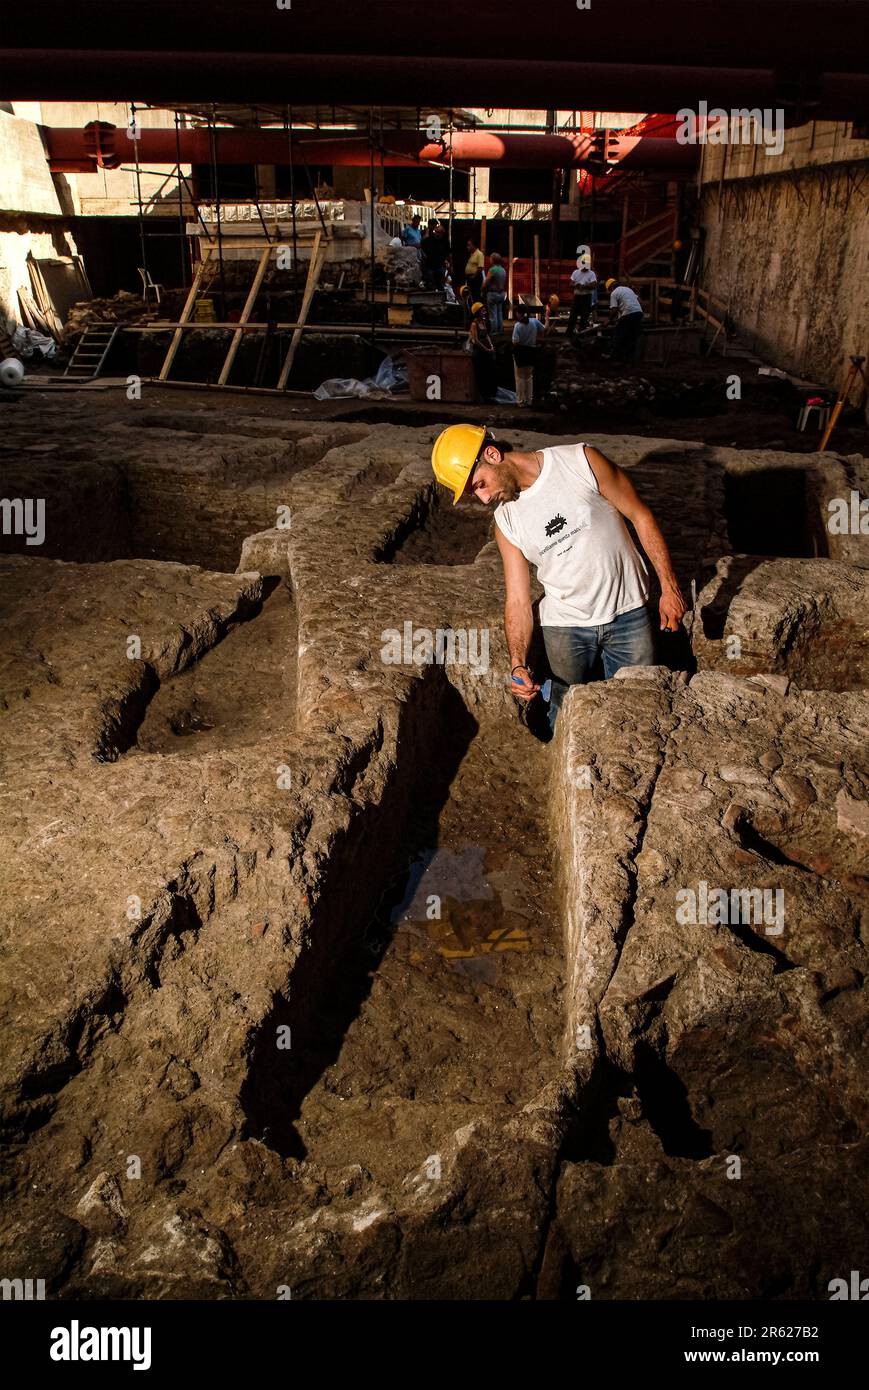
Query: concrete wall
{"points": [[109, 192], [34, 203], [26, 186], [787, 246]]}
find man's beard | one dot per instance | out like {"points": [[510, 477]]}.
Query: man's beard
{"points": [[508, 488]]}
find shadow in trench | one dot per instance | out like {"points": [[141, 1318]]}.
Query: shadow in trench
{"points": [[772, 512], [666, 1107], [366, 878], [714, 615], [654, 1092]]}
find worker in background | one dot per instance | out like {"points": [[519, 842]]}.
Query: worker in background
{"points": [[563, 510], [526, 332], [584, 282], [411, 233], [475, 267], [435, 256], [483, 353], [495, 292], [626, 312]]}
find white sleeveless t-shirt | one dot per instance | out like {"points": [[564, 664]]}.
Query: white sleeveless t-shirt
{"points": [[585, 557]]}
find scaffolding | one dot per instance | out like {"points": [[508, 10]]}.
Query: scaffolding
{"points": [[306, 211], [217, 241]]}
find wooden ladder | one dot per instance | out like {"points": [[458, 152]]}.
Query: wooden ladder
{"points": [[91, 351]]}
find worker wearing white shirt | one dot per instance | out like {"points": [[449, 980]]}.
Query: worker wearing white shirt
{"points": [[584, 282]]}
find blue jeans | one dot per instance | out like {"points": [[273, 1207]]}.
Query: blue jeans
{"points": [[627, 641], [495, 304]]}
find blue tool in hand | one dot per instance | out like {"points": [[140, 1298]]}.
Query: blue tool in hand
{"points": [[545, 689]]}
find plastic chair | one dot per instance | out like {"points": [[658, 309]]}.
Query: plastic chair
{"points": [[814, 403], [149, 287]]}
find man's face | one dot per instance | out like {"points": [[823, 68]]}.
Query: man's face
{"points": [[492, 482]]}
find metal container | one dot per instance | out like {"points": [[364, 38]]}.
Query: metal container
{"points": [[452, 366]]}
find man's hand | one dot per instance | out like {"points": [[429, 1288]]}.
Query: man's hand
{"points": [[522, 684], [672, 607]]}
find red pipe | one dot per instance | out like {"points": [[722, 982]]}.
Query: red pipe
{"points": [[101, 145]]}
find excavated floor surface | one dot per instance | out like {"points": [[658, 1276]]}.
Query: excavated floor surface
{"points": [[237, 693], [479, 969], [303, 937]]}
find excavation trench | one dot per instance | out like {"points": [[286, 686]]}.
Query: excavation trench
{"points": [[342, 984], [424, 996], [447, 1004], [435, 532], [240, 692]]}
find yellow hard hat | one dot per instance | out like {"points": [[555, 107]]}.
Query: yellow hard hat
{"points": [[554, 301], [609, 284], [454, 455], [476, 306]]}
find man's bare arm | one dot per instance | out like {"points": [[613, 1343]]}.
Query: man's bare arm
{"points": [[518, 618], [619, 491]]}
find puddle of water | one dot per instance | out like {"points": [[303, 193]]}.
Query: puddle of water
{"points": [[452, 899]]}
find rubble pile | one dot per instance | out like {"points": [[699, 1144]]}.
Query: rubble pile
{"points": [[122, 308], [572, 383]]}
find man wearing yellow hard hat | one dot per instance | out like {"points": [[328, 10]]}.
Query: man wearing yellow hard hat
{"points": [[563, 510], [626, 312]]}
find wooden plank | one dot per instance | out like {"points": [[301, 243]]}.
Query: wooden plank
{"points": [[710, 318], [331, 328], [318, 255], [44, 301], [510, 262], [536, 265], [399, 314], [392, 295], [185, 314], [245, 315], [715, 337]]}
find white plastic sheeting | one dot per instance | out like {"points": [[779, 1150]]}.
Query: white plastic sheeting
{"points": [[28, 343], [388, 380]]}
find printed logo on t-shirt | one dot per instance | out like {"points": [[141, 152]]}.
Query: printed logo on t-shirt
{"points": [[555, 527]]}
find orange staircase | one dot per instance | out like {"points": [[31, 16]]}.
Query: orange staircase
{"points": [[648, 247]]}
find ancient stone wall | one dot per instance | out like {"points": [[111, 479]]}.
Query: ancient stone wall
{"points": [[786, 252]]}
